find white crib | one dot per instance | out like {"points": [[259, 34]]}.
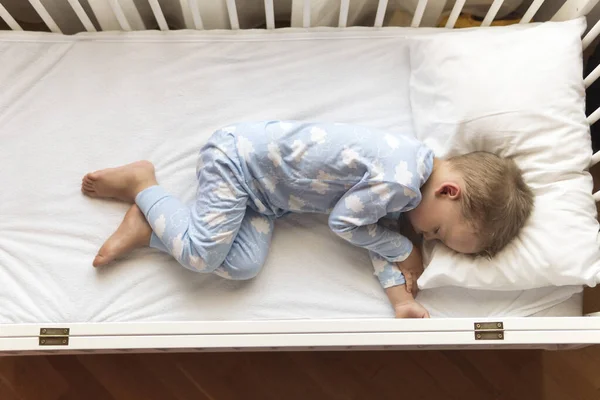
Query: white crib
{"points": [[317, 334]]}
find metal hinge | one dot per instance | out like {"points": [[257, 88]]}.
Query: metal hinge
{"points": [[489, 331], [54, 336]]}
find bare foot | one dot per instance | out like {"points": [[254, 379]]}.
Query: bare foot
{"points": [[122, 183], [133, 233]]}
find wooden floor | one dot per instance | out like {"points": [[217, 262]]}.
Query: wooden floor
{"points": [[439, 375]]}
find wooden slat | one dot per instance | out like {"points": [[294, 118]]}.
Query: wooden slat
{"points": [[344, 8], [380, 16], [196, 17], [158, 14], [43, 13], [233, 16], [455, 13], [492, 12], [433, 375], [595, 160], [572, 9], [83, 17], [306, 11], [591, 35], [270, 14], [120, 15], [531, 11], [416, 21], [594, 117], [10, 21]]}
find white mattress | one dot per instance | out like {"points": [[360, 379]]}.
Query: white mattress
{"points": [[69, 105]]}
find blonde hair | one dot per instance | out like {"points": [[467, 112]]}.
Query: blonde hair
{"points": [[495, 199]]}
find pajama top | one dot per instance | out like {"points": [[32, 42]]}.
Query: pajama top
{"points": [[358, 175]]}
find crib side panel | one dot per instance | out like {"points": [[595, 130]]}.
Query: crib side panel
{"points": [[299, 342], [303, 335]]}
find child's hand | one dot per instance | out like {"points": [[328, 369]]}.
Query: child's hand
{"points": [[404, 303], [410, 309], [412, 268]]}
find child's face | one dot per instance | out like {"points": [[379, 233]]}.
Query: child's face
{"points": [[439, 217]]}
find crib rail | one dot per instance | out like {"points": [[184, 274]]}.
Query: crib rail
{"points": [[120, 15], [458, 6], [425, 11], [10, 21], [81, 14]]}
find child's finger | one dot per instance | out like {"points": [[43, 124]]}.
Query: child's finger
{"points": [[409, 282]]}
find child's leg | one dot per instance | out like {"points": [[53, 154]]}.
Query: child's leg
{"points": [[249, 249], [245, 259], [122, 183], [199, 237], [133, 233]]}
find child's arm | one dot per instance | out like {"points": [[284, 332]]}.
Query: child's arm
{"points": [[411, 269], [356, 215], [405, 306], [395, 285]]}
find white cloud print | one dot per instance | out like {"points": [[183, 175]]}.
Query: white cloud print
{"points": [[403, 175], [319, 186], [261, 225], [197, 262], [244, 147], [350, 157], [299, 150], [274, 154], [222, 273], [421, 168], [214, 218], [296, 203], [269, 183], [223, 191], [318, 135], [160, 224], [379, 264], [354, 203], [392, 141], [382, 190], [177, 247]]}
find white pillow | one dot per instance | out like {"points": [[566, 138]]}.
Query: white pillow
{"points": [[514, 91]]}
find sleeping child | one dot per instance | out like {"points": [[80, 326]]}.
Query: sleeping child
{"points": [[251, 173]]}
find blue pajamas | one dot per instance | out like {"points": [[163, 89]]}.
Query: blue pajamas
{"points": [[251, 173], [218, 233]]}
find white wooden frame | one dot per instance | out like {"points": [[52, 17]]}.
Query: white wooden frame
{"points": [[553, 333], [363, 334]]}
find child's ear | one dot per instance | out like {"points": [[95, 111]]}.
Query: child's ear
{"points": [[449, 189]]}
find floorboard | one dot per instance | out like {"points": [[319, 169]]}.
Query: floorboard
{"points": [[439, 375]]}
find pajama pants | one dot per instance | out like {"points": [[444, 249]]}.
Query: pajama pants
{"points": [[220, 232]]}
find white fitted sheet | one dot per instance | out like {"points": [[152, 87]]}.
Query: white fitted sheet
{"points": [[69, 105]]}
